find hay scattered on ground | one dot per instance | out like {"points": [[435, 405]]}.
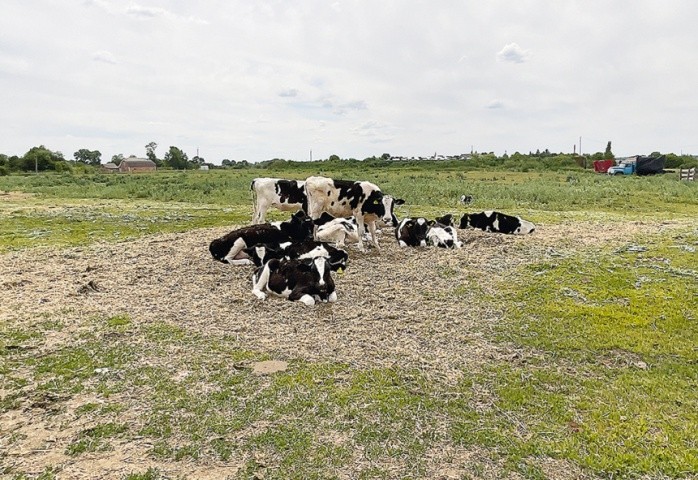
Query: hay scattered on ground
{"points": [[416, 308]]}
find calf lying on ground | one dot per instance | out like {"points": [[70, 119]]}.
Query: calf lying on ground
{"points": [[229, 248], [412, 232], [490, 221], [337, 230], [444, 236], [262, 253], [306, 280], [466, 199]]}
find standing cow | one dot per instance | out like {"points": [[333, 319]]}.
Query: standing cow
{"points": [[286, 195], [344, 198]]}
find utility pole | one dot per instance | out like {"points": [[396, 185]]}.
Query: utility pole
{"points": [[311, 154]]}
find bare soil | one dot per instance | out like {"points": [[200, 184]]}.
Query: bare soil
{"points": [[416, 308]]}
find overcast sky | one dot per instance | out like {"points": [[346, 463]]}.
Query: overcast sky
{"points": [[257, 80]]}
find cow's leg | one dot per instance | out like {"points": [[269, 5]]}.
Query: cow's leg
{"points": [[300, 295], [237, 247], [360, 225], [372, 231], [259, 283], [260, 212]]}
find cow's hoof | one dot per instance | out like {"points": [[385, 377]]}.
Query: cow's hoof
{"points": [[259, 294], [308, 300], [332, 298]]}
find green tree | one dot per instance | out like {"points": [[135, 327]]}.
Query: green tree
{"points": [[334, 158], [176, 159], [116, 159], [88, 157], [150, 153], [41, 159], [608, 154]]}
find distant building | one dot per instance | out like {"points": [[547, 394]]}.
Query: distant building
{"points": [[110, 167], [134, 164], [203, 167]]}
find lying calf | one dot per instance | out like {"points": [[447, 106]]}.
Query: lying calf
{"points": [[444, 236], [306, 280], [337, 230], [262, 253], [490, 221], [230, 247], [412, 232]]}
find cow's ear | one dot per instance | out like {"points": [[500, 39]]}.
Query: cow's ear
{"points": [[399, 201], [431, 222]]}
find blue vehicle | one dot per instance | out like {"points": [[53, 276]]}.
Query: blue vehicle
{"points": [[639, 165], [625, 167]]}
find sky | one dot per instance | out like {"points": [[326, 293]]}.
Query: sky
{"points": [[256, 80]]}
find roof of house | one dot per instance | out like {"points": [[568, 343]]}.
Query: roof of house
{"points": [[110, 165], [133, 161]]}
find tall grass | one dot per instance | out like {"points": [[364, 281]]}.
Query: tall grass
{"points": [[432, 184]]}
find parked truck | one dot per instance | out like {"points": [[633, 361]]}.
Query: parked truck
{"points": [[639, 165]]}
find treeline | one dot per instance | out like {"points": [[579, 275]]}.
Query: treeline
{"points": [[42, 159]]}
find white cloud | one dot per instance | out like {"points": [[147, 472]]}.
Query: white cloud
{"points": [[272, 79], [289, 93], [513, 53], [104, 57]]}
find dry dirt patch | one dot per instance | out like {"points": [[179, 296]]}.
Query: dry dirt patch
{"points": [[416, 308]]}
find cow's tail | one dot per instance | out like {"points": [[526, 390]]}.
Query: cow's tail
{"points": [[254, 201]]}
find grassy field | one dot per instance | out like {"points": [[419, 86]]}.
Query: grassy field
{"points": [[592, 370]]}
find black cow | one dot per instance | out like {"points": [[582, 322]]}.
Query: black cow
{"points": [[490, 221], [306, 280], [229, 248]]}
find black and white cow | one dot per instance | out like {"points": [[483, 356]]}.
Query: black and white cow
{"points": [[412, 232], [344, 198], [446, 220], [230, 247], [336, 230], [444, 236], [490, 221], [306, 280], [286, 195], [262, 253], [466, 199]]}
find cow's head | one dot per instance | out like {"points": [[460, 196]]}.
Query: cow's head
{"points": [[413, 232], [389, 202], [299, 227], [319, 271], [219, 248], [373, 205]]}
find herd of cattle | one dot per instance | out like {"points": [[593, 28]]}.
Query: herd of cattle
{"points": [[294, 257]]}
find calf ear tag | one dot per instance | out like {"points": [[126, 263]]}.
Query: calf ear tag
{"points": [[376, 202], [340, 270]]}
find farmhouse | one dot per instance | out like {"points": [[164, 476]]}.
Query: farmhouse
{"points": [[133, 164], [110, 167]]}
